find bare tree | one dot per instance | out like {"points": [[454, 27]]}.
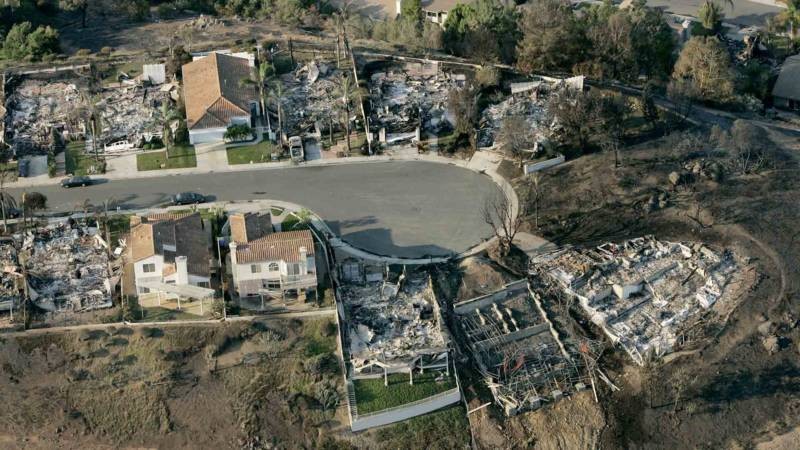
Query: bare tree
{"points": [[517, 137], [499, 213], [750, 145]]}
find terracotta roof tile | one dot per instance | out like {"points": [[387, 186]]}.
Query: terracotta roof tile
{"points": [[184, 233], [282, 246], [250, 226], [214, 92]]}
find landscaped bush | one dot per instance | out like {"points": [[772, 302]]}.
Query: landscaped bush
{"points": [[238, 132]]}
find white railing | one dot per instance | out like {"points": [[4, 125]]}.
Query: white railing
{"points": [[298, 280]]}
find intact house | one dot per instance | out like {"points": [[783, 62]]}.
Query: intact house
{"points": [[170, 249], [786, 93], [268, 263], [435, 11], [217, 96]]}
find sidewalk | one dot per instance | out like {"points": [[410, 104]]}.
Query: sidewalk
{"points": [[213, 159]]}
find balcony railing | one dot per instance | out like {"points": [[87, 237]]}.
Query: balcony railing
{"points": [[290, 281]]}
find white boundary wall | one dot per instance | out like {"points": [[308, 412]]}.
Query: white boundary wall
{"points": [[530, 168]]}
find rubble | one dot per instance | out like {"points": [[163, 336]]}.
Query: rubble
{"points": [[642, 292], [309, 98], [132, 113], [529, 104], [403, 100], [11, 276], [37, 106], [524, 362], [393, 326], [67, 268]]}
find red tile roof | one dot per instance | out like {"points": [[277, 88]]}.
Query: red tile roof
{"points": [[282, 246], [214, 91]]}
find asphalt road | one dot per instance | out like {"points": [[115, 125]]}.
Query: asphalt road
{"points": [[744, 12], [403, 209]]}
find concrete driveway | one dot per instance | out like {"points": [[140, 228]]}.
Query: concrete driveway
{"points": [[404, 209]]}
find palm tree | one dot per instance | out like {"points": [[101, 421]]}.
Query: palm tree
{"points": [[346, 91], [6, 201], [340, 19], [264, 72], [276, 94], [711, 14], [92, 115], [167, 115], [790, 17]]}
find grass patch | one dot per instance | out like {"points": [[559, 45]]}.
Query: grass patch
{"points": [[9, 171], [158, 314], [319, 337], [292, 222], [77, 162], [443, 429], [205, 213], [179, 157], [256, 153], [372, 395], [118, 226]]}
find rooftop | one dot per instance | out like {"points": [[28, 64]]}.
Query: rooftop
{"points": [[214, 91], [172, 235], [281, 246], [788, 83]]}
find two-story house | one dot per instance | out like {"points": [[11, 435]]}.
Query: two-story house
{"points": [[264, 262], [217, 95], [170, 249]]}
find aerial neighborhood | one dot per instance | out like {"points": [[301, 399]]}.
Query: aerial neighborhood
{"points": [[281, 224]]}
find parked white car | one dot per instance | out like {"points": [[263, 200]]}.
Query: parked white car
{"points": [[119, 146]]}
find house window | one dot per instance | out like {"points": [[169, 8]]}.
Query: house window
{"points": [[293, 269], [148, 268], [274, 267], [275, 284], [255, 268]]}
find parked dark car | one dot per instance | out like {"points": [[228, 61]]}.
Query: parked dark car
{"points": [[187, 198], [24, 166], [13, 213], [76, 182]]}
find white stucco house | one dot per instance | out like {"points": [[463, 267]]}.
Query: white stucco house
{"points": [[170, 249], [270, 263], [217, 96]]}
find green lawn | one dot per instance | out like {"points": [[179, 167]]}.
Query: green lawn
{"points": [[179, 157], [372, 395], [256, 153], [292, 223], [118, 226], [77, 162]]}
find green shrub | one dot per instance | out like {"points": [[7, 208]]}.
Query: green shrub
{"points": [[238, 132], [23, 42]]}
